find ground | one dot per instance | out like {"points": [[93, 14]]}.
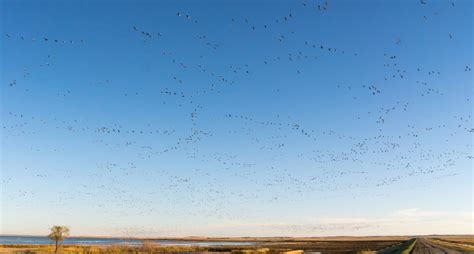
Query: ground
{"points": [[335, 245]]}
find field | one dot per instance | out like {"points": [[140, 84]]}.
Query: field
{"points": [[330, 245], [469, 240], [453, 244]]}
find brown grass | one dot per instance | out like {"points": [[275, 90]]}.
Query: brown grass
{"points": [[83, 249], [462, 240], [331, 245], [455, 245], [291, 247]]}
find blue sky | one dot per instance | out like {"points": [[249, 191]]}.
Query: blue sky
{"points": [[226, 118]]}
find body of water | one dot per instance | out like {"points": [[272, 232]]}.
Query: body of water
{"points": [[110, 241]]}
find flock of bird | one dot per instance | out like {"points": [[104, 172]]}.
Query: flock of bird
{"points": [[327, 160]]}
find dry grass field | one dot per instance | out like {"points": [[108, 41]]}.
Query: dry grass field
{"points": [[459, 244], [266, 245], [82, 249], [330, 245], [457, 239]]}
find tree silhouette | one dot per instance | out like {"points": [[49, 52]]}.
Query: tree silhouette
{"points": [[58, 234]]}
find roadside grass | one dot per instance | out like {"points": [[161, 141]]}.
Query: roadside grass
{"points": [[403, 248], [467, 239], [461, 246], [410, 247]]}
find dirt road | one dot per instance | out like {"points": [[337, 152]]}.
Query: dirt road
{"points": [[424, 246]]}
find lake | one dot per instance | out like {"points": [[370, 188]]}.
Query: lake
{"points": [[110, 241]]}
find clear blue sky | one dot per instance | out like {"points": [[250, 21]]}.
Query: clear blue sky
{"points": [[233, 118]]}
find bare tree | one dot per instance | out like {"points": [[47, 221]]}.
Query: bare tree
{"points": [[58, 234]]}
